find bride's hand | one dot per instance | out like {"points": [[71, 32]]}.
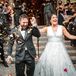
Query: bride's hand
{"points": [[36, 58]]}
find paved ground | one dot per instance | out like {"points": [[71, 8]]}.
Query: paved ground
{"points": [[6, 71]]}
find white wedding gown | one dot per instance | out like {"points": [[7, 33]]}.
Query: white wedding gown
{"points": [[55, 60]]}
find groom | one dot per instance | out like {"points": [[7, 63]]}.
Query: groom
{"points": [[25, 50]]}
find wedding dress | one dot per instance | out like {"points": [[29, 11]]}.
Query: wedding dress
{"points": [[55, 60]]}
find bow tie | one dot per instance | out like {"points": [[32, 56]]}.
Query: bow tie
{"points": [[23, 29]]}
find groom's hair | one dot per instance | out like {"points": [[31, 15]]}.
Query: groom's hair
{"points": [[23, 16]]}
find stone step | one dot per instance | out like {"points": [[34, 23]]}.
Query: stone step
{"points": [[73, 57], [40, 39], [72, 53]]}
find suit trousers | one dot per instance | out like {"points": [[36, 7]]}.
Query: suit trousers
{"points": [[30, 63]]}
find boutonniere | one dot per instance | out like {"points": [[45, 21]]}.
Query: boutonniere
{"points": [[19, 42], [29, 30]]}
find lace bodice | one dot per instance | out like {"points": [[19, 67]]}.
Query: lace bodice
{"points": [[55, 35]]}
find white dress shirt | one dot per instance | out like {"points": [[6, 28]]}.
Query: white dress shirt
{"points": [[23, 33]]}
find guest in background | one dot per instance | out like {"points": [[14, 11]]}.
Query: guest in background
{"points": [[48, 10]]}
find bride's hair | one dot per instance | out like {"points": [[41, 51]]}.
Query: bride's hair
{"points": [[51, 17]]}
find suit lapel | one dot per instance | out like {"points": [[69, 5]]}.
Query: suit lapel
{"points": [[19, 33], [27, 34]]}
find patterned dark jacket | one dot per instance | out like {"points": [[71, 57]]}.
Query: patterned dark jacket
{"points": [[22, 43]]}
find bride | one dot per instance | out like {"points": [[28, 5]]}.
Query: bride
{"points": [[55, 60]]}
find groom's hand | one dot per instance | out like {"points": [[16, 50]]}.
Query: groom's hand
{"points": [[9, 59], [33, 21]]}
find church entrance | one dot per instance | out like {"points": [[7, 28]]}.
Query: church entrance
{"points": [[36, 7]]}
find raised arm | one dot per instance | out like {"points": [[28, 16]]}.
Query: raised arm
{"points": [[67, 34], [43, 30], [34, 23]]}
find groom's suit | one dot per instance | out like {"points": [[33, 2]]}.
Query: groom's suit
{"points": [[25, 50]]}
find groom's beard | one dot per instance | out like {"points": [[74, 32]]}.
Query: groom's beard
{"points": [[24, 27]]}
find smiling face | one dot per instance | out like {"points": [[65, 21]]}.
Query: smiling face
{"points": [[24, 22], [54, 20]]}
